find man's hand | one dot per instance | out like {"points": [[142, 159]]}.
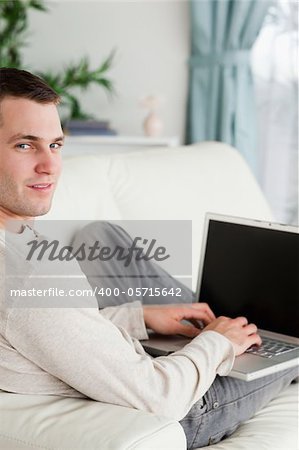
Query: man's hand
{"points": [[166, 319], [241, 334]]}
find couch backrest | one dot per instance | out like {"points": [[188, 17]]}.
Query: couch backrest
{"points": [[166, 183]]}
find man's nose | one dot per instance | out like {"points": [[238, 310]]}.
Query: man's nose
{"points": [[49, 162]]}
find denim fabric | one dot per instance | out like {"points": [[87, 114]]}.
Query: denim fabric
{"points": [[228, 403]]}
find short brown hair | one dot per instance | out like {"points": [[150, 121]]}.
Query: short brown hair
{"points": [[23, 84]]}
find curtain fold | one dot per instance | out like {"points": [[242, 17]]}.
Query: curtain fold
{"points": [[220, 99], [276, 78]]}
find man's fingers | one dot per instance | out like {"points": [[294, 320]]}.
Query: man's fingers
{"points": [[254, 339], [197, 323], [241, 320], [204, 307], [198, 313], [194, 315], [187, 330], [251, 328]]}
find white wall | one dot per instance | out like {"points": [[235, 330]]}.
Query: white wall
{"points": [[152, 42]]}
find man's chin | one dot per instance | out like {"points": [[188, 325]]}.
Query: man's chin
{"points": [[36, 212], [43, 211]]}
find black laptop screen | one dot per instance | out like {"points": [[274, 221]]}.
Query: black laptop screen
{"points": [[253, 272]]}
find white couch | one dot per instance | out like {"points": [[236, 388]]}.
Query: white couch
{"points": [[180, 183]]}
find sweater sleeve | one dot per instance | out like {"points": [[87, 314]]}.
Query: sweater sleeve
{"points": [[89, 353], [128, 316]]}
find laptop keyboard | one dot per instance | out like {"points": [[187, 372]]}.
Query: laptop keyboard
{"points": [[271, 347]]}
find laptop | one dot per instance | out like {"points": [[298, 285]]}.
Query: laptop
{"points": [[249, 268]]}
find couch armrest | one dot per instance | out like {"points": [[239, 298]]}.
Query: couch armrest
{"points": [[52, 422]]}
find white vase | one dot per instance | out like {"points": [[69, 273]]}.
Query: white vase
{"points": [[152, 124]]}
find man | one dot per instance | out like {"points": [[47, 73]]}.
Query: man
{"points": [[84, 352]]}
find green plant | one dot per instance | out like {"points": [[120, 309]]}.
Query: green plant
{"points": [[78, 75], [13, 36], [13, 29]]}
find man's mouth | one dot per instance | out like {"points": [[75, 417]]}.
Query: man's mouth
{"points": [[42, 187]]}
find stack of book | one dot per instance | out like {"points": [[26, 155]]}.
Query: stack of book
{"points": [[88, 128]]}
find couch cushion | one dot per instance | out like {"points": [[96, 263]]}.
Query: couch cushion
{"points": [[84, 190], [58, 423], [275, 427], [162, 184]]}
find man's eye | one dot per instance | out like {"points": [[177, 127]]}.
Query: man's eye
{"points": [[55, 145], [23, 146]]}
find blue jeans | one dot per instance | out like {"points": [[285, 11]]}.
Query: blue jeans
{"points": [[229, 401]]}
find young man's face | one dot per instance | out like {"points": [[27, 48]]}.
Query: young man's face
{"points": [[30, 162]]}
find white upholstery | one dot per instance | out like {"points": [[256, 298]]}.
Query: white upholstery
{"points": [[275, 427], [182, 183], [56, 423], [52, 422], [167, 183]]}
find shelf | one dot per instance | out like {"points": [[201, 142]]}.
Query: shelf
{"points": [[82, 145], [124, 140]]}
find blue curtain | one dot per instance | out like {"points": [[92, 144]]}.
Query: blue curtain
{"points": [[221, 98]]}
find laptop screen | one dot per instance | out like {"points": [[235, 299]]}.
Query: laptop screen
{"points": [[253, 272]]}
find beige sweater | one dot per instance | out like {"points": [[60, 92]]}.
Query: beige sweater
{"points": [[81, 351]]}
